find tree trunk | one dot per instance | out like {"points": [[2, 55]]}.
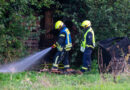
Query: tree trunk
{"points": [[48, 24]]}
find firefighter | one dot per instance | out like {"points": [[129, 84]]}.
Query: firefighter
{"points": [[87, 45], [63, 46]]}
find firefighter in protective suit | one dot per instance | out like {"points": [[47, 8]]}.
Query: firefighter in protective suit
{"points": [[63, 46], [87, 45]]}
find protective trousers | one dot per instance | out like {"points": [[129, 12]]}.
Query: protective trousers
{"points": [[87, 59], [61, 55]]}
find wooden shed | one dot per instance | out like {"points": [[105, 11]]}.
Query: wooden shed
{"points": [[114, 55]]}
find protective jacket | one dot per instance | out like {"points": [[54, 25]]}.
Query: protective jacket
{"points": [[64, 42], [88, 39]]}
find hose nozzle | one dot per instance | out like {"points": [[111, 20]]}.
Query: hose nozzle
{"points": [[53, 46]]}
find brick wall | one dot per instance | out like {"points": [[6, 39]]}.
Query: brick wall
{"points": [[33, 41]]}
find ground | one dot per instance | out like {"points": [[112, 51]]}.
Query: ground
{"points": [[47, 81]]}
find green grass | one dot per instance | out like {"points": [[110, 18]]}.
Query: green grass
{"points": [[47, 81]]}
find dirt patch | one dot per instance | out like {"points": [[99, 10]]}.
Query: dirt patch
{"points": [[61, 71]]}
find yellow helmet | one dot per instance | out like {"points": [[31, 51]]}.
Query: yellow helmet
{"points": [[86, 23], [58, 24]]}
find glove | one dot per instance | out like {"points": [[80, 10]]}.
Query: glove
{"points": [[94, 45], [53, 46], [82, 49]]}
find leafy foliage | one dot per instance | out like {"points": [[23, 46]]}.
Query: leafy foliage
{"points": [[15, 18], [109, 18]]}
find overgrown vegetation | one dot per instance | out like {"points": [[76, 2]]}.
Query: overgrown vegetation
{"points": [[47, 81]]}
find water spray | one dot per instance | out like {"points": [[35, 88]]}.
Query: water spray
{"points": [[24, 63]]}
